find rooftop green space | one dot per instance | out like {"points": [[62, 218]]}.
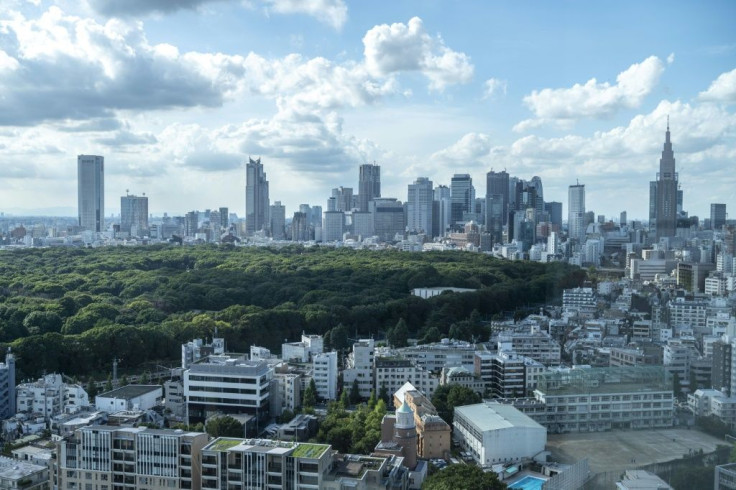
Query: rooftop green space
{"points": [[307, 450], [224, 444]]}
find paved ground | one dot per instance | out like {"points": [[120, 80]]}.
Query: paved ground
{"points": [[613, 451]]}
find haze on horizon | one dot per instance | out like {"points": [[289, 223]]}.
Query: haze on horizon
{"points": [[177, 94]]}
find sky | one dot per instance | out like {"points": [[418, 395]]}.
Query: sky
{"points": [[178, 94]]}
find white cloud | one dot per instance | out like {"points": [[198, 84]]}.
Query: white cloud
{"points": [[493, 87], [332, 12], [722, 89], [595, 99], [671, 58], [408, 47]]}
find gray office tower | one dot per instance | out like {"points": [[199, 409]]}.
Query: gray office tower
{"points": [[554, 209], [717, 216], [91, 192], [497, 184], [256, 197], [369, 185], [134, 215], [576, 212], [462, 197], [419, 206], [665, 192]]}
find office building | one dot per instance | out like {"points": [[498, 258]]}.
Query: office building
{"points": [[497, 184], [442, 206], [278, 221], [109, 457], [554, 209], [299, 227], [334, 226], [392, 372], [369, 185], [362, 224], [91, 192], [7, 387], [228, 385], [229, 463], [419, 207], [497, 433], [596, 399], [343, 199], [256, 197], [576, 213], [388, 219], [191, 223], [717, 216], [462, 197], [665, 192], [134, 215]]}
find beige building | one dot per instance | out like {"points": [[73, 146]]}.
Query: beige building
{"points": [[103, 457], [433, 433]]}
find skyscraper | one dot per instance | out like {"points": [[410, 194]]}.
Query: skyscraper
{"points": [[497, 183], [91, 192], [666, 192], [134, 214], [278, 221], [717, 216], [576, 212], [256, 197], [419, 206], [343, 199], [369, 185], [442, 216], [462, 196]]}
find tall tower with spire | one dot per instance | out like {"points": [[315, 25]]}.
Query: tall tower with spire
{"points": [[665, 201]]}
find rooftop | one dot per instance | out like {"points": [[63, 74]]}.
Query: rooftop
{"points": [[496, 416], [605, 380], [312, 451], [13, 469], [130, 391]]}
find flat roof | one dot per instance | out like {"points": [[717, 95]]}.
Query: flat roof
{"points": [[495, 416], [14, 469], [130, 391]]}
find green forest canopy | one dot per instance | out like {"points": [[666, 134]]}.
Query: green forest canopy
{"points": [[73, 310]]}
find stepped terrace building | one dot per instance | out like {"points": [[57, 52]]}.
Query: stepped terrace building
{"points": [[597, 399]]}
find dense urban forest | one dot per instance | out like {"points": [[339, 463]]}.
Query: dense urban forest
{"points": [[74, 310]]}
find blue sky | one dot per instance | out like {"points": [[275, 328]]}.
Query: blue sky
{"points": [[176, 94]]}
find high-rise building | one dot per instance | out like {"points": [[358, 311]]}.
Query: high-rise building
{"points": [[224, 218], [334, 226], [134, 214], [419, 206], [256, 197], [442, 216], [462, 196], [622, 218], [278, 221], [495, 216], [717, 216], [191, 223], [7, 387], [497, 183], [299, 228], [91, 192], [536, 184], [576, 212], [554, 209], [343, 199], [369, 185], [665, 199]]}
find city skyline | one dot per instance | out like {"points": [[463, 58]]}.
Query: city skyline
{"points": [[317, 90]]}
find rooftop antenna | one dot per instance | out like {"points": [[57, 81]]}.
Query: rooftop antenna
{"points": [[126, 192], [668, 122]]}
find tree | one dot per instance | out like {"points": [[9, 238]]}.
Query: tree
{"points": [[447, 397], [145, 378], [108, 383], [399, 335], [91, 389], [432, 335], [339, 337], [676, 385], [372, 400], [355, 392], [310, 395], [384, 395], [693, 477], [463, 476], [344, 399], [224, 427]]}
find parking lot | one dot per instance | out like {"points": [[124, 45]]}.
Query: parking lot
{"points": [[618, 450]]}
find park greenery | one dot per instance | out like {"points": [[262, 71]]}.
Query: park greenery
{"points": [[446, 397], [356, 431], [458, 476], [73, 310]]}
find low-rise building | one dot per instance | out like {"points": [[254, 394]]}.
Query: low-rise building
{"points": [[130, 397], [392, 373], [324, 373], [433, 433], [49, 396], [23, 475], [497, 433]]}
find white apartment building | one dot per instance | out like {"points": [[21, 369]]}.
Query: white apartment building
{"points": [[692, 314], [104, 457], [360, 367], [536, 345], [325, 373], [303, 350], [197, 349], [287, 393], [229, 385], [16, 474], [130, 397], [445, 354], [50, 396]]}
